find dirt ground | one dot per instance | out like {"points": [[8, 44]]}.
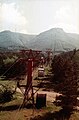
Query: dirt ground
{"points": [[12, 111]]}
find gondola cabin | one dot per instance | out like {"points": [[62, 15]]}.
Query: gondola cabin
{"points": [[40, 72]]}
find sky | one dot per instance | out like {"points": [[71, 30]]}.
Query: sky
{"points": [[36, 16]]}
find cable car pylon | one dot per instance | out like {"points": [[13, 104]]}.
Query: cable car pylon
{"points": [[29, 93]]}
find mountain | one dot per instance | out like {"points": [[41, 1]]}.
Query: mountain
{"points": [[74, 39], [55, 39], [12, 40]]}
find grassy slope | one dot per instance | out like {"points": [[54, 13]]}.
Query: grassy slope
{"points": [[9, 111]]}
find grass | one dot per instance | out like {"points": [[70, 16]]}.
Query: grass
{"points": [[75, 116], [8, 83], [10, 111]]}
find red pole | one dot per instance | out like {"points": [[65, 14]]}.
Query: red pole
{"points": [[29, 76]]}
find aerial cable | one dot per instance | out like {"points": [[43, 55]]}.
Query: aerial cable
{"points": [[13, 63], [9, 68]]}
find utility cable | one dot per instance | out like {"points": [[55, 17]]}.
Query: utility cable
{"points": [[9, 68]]}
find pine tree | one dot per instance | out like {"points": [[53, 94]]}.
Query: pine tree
{"points": [[65, 78]]}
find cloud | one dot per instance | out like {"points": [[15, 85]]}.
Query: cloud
{"points": [[67, 18], [11, 18]]}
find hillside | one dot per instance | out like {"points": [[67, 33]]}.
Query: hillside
{"points": [[12, 40], [56, 39]]}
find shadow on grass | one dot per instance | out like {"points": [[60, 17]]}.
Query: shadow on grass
{"points": [[9, 108], [15, 107], [46, 83], [59, 115]]}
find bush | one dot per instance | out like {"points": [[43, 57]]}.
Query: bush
{"points": [[6, 94], [65, 78]]}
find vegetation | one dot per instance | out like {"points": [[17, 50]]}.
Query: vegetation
{"points": [[11, 66], [65, 79], [64, 69], [6, 96], [14, 64], [7, 90]]}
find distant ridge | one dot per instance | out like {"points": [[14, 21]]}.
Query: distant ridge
{"points": [[12, 40], [55, 39]]}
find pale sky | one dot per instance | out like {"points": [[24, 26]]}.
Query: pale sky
{"points": [[36, 16]]}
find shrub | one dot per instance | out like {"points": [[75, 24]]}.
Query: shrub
{"points": [[6, 94], [65, 78]]}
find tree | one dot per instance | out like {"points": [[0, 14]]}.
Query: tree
{"points": [[65, 79]]}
